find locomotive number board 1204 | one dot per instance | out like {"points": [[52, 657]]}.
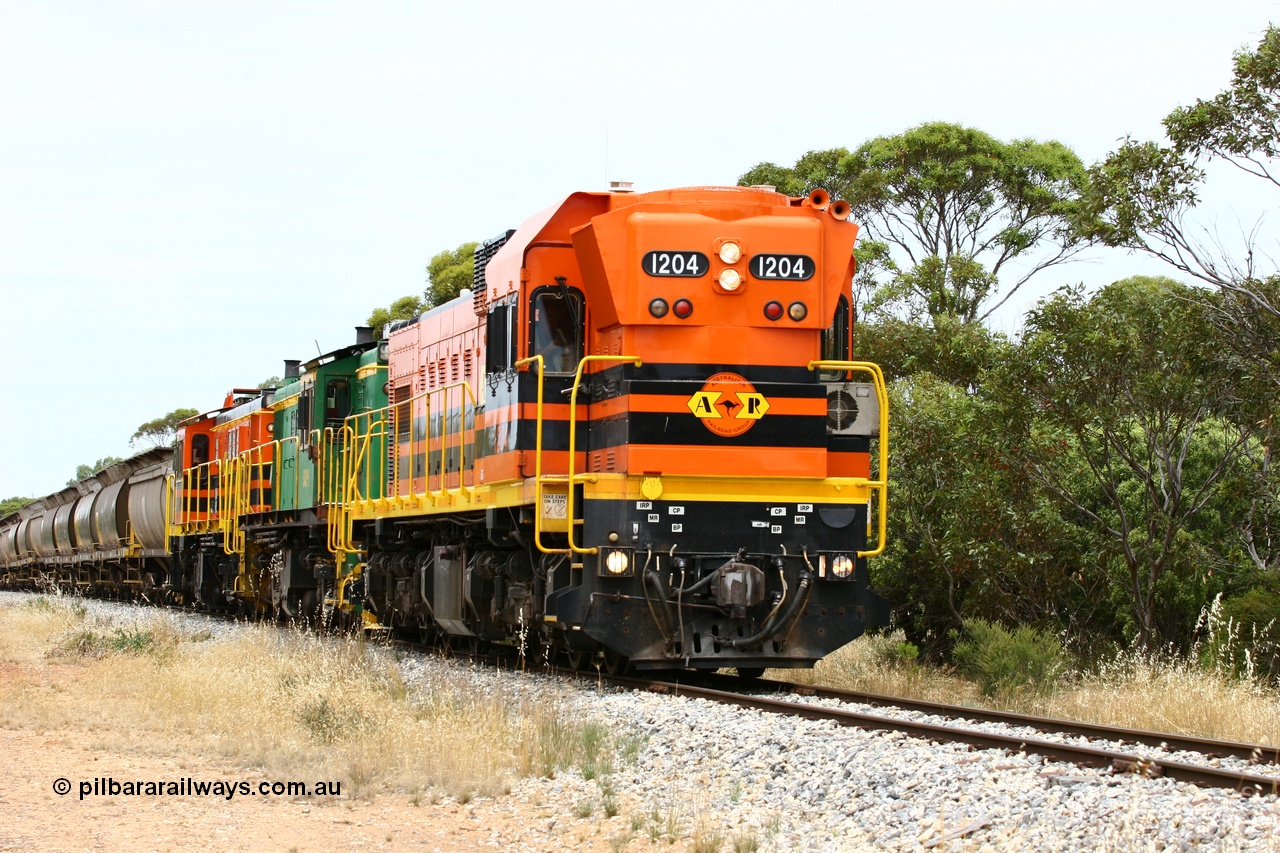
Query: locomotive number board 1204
{"points": [[790, 267], [676, 264]]}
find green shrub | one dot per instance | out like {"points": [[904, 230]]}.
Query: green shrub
{"points": [[1242, 635], [1025, 659]]}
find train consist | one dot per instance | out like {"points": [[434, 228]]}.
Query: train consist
{"points": [[639, 439]]}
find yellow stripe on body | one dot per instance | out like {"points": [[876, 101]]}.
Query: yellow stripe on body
{"points": [[834, 490]]}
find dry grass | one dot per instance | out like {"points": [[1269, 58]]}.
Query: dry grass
{"points": [[1159, 693], [296, 705], [871, 665], [1172, 696]]}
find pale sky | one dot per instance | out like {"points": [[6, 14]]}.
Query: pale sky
{"points": [[191, 192]]}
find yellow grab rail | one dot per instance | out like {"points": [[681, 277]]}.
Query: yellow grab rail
{"points": [[880, 486], [573, 435], [537, 460]]}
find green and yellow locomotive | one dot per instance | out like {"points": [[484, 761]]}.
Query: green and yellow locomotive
{"points": [[258, 484]]}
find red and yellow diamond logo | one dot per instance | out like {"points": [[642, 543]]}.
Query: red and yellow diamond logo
{"points": [[728, 404]]}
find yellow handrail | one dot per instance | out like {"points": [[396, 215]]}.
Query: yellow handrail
{"points": [[537, 460], [387, 419], [880, 486], [462, 436], [573, 435]]}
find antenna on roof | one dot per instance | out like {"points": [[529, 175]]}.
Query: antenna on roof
{"points": [[317, 347]]}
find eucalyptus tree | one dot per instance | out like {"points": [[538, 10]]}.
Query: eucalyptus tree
{"points": [[1131, 425], [448, 272], [955, 221], [83, 472], [1145, 196], [162, 430]]}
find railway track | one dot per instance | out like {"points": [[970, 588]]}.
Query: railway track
{"points": [[797, 700], [801, 700]]}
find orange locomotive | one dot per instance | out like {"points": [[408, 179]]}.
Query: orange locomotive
{"points": [[640, 436]]}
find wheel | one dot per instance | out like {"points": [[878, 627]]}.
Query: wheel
{"points": [[615, 663], [750, 673], [580, 661], [291, 607], [151, 591], [309, 609], [531, 651]]}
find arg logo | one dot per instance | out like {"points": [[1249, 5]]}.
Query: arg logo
{"points": [[728, 405]]}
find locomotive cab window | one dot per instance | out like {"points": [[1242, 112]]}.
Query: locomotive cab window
{"points": [[835, 341], [556, 327], [199, 449], [337, 402], [304, 412]]}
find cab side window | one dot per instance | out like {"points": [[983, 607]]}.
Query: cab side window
{"points": [[337, 402], [556, 327], [835, 340], [199, 450]]}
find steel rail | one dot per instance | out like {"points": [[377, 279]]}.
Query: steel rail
{"points": [[1202, 775], [1257, 753]]}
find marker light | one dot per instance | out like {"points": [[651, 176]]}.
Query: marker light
{"points": [[797, 311], [841, 565], [773, 310], [730, 280], [616, 562], [683, 308], [658, 307], [730, 252]]}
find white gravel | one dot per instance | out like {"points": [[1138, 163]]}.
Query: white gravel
{"points": [[787, 784]]}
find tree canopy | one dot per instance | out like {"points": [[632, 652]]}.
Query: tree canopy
{"points": [[448, 273], [1144, 195], [161, 430], [1131, 381], [955, 221], [83, 472], [11, 505]]}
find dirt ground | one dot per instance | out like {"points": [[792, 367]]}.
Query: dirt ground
{"points": [[34, 817]]}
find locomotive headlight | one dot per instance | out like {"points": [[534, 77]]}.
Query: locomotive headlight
{"points": [[730, 279], [615, 562], [842, 566], [730, 252], [797, 311]]}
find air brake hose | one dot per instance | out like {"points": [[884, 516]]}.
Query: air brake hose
{"points": [[662, 614], [776, 621]]}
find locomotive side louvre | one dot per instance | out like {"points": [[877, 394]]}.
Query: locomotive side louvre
{"points": [[694, 425]]}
